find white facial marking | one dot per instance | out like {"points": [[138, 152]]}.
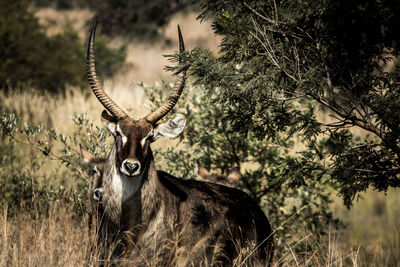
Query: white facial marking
{"points": [[143, 141], [111, 127], [96, 170], [124, 138], [124, 187]]}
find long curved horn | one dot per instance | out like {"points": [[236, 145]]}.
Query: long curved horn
{"points": [[175, 94], [104, 99]]}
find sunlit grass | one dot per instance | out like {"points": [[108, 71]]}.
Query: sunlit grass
{"points": [[59, 239], [372, 236], [373, 225]]}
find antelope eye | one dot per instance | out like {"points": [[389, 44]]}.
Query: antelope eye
{"points": [[92, 172], [118, 134]]}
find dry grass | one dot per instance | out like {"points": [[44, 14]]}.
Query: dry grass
{"points": [[147, 63], [148, 60], [55, 110], [55, 20], [36, 241], [371, 239], [61, 240], [373, 226]]}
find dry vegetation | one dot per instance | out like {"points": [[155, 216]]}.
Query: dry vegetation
{"points": [[62, 240], [372, 236], [35, 241]]}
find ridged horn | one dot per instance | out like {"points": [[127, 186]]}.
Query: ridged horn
{"points": [[97, 89], [175, 94]]}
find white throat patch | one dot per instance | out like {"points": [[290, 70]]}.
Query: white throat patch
{"points": [[125, 187]]}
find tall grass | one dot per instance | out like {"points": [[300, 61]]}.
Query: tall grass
{"points": [[373, 227], [56, 240], [60, 239], [372, 236]]}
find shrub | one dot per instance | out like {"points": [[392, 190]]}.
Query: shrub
{"points": [[62, 4], [284, 63], [140, 19], [267, 175], [28, 181], [29, 57]]}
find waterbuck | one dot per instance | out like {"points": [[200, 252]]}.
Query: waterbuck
{"points": [[231, 179], [95, 167], [160, 219]]}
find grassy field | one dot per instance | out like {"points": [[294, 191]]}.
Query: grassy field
{"points": [[59, 239], [371, 236]]}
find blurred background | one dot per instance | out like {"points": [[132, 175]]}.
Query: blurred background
{"points": [[48, 110]]}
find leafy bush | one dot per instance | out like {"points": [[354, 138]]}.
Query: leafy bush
{"points": [[62, 4], [267, 175], [26, 184], [29, 57], [140, 19], [284, 63]]}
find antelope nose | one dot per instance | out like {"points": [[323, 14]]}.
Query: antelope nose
{"points": [[131, 167]]}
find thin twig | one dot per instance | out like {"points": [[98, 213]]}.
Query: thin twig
{"points": [[260, 15], [50, 155]]}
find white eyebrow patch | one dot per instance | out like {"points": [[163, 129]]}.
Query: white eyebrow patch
{"points": [[124, 138], [110, 126], [96, 170], [143, 141]]}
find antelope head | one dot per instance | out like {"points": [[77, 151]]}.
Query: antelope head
{"points": [[95, 167], [133, 137]]}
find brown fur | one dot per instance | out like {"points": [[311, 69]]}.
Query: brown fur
{"points": [[231, 179], [162, 220], [206, 216]]}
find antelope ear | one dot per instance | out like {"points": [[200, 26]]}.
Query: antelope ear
{"points": [[233, 174], [171, 128], [86, 155], [109, 121]]}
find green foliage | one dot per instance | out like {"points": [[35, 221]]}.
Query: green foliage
{"points": [[283, 63], [63, 4], [25, 180], [140, 19], [294, 194], [29, 57]]}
